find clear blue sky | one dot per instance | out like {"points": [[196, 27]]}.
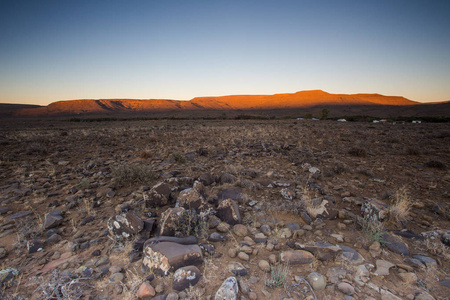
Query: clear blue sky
{"points": [[62, 50]]}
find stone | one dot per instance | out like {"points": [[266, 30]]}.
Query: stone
{"points": [[335, 274], [375, 249], [350, 255], [169, 221], [408, 278], [213, 222], [317, 281], [217, 237], [125, 225], [324, 209], [386, 295], [223, 227], [207, 179], [2, 252], [243, 286], [191, 199], [424, 296], [228, 211], [172, 296], [232, 252], [168, 256], [305, 217], [145, 291], [52, 220], [374, 210], [287, 193], [20, 214], [209, 249], [240, 230], [285, 233], [272, 258], [7, 275], [228, 290], [346, 288], [243, 256], [395, 244], [362, 275], [233, 194], [383, 267], [185, 277], [260, 238], [34, 246], [227, 178], [264, 265], [237, 269], [430, 263], [294, 257], [322, 251], [158, 196]]}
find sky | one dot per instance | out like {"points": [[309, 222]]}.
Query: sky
{"points": [[64, 50]]}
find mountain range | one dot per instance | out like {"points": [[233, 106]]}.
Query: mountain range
{"points": [[289, 101]]}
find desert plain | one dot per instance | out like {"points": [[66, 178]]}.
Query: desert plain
{"points": [[291, 209]]}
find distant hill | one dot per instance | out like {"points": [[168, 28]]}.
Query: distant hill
{"points": [[7, 109], [299, 100]]}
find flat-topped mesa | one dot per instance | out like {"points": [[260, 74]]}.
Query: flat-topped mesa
{"points": [[302, 99]]}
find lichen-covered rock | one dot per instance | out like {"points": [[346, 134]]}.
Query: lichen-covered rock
{"points": [[287, 193], [228, 211], [374, 210], [159, 195], [125, 225], [34, 246], [163, 257], [228, 290], [185, 277], [191, 199], [169, 221]]}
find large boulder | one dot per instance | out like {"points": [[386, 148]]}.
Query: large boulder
{"points": [[228, 211], [159, 195], [164, 257], [125, 225]]}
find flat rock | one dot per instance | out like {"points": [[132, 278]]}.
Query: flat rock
{"points": [[228, 290], [52, 220], [335, 274], [383, 267], [351, 255], [168, 256], [322, 251], [395, 244], [20, 214], [346, 288]]}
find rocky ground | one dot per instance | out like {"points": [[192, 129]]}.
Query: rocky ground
{"points": [[173, 209]]}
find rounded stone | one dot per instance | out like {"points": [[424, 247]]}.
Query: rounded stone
{"points": [[232, 252], [346, 288], [240, 230], [317, 281], [243, 256], [185, 277], [146, 291], [264, 265]]}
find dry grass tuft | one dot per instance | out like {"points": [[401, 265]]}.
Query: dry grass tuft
{"points": [[401, 206], [126, 175], [278, 275]]}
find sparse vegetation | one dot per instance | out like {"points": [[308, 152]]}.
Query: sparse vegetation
{"points": [[126, 175], [373, 231], [358, 152], [436, 164], [400, 207], [278, 275]]}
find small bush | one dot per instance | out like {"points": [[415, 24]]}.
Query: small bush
{"points": [[436, 164], [193, 223], [358, 152], [126, 175], [278, 276], [399, 210], [179, 158], [373, 230], [412, 151]]}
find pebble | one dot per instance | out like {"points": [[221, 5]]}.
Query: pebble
{"points": [[346, 288], [264, 265], [145, 291], [317, 281], [243, 256]]}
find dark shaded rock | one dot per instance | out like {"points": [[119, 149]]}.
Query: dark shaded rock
{"points": [[351, 255], [228, 211], [409, 234], [233, 194], [208, 248], [305, 217], [96, 253], [87, 220], [19, 215], [207, 179], [293, 226], [191, 199], [185, 277], [427, 261], [227, 178], [213, 221], [395, 244], [161, 258], [125, 225], [3, 210], [53, 239], [188, 240], [445, 282], [217, 237], [34, 246], [158, 196]]}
